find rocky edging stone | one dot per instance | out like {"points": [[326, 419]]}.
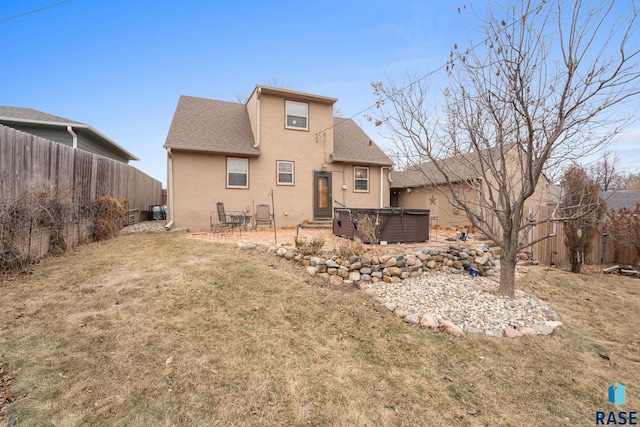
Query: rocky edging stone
{"points": [[454, 307]]}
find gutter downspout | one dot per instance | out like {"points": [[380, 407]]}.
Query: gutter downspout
{"points": [[382, 183], [73, 136], [257, 144], [170, 187]]}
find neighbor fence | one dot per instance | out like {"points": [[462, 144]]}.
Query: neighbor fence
{"points": [[553, 249], [31, 166]]}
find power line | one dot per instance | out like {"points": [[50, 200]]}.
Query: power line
{"points": [[432, 72], [33, 11]]}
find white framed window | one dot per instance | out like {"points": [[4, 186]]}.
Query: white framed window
{"points": [[297, 115], [360, 179], [237, 172], [285, 172]]}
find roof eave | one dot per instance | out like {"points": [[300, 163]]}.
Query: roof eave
{"points": [[73, 125], [253, 153], [362, 161], [287, 93], [112, 142]]}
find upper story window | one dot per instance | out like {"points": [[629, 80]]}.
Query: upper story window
{"points": [[285, 172], [297, 115], [360, 178], [237, 172]]}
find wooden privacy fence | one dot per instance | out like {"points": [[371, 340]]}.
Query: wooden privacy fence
{"points": [[31, 166], [28, 162], [553, 249]]}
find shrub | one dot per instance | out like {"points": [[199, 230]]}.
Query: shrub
{"points": [[24, 219], [368, 228], [109, 216], [309, 247], [348, 248]]}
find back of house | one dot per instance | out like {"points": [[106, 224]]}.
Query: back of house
{"points": [[279, 142]]}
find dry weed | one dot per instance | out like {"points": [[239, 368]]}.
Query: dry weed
{"points": [[311, 246], [368, 228], [23, 220], [347, 248], [109, 216]]}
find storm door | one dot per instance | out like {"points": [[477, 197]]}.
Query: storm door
{"points": [[322, 195]]}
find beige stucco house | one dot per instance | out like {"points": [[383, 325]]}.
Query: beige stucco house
{"points": [[423, 186], [280, 140]]}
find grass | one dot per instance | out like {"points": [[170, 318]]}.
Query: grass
{"points": [[158, 329]]}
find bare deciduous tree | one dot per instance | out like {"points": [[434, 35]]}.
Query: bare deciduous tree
{"points": [[628, 180], [546, 87], [604, 172]]}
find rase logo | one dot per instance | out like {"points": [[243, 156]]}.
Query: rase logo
{"points": [[616, 396]]}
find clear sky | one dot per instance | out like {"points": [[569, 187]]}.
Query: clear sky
{"points": [[120, 66]]}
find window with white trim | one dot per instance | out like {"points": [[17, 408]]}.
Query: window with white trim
{"points": [[360, 179], [285, 174], [237, 172], [297, 114]]}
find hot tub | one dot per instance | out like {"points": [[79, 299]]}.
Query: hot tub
{"points": [[393, 225]]}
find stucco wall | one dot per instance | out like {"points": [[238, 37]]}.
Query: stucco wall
{"points": [[199, 182], [441, 212]]}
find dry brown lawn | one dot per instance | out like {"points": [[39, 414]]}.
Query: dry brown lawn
{"points": [[158, 329]]}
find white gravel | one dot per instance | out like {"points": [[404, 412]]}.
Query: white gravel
{"points": [[465, 301]]}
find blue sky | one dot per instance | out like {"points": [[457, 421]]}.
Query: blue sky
{"points": [[120, 66]]}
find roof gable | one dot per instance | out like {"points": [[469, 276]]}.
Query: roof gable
{"points": [[207, 125]]}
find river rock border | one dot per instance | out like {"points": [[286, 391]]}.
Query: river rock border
{"points": [[435, 289]]}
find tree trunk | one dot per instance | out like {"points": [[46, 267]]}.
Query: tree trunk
{"points": [[576, 259], [576, 267], [508, 274]]}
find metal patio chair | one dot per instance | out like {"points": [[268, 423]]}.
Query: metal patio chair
{"points": [[263, 216], [222, 221]]}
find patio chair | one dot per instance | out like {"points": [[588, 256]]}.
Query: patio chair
{"points": [[263, 216], [222, 221]]}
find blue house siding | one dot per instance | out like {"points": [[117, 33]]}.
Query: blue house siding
{"points": [[63, 131]]}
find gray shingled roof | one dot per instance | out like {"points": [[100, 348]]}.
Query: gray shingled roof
{"points": [[618, 199], [201, 124], [208, 125], [352, 145], [461, 167], [28, 115], [458, 168], [407, 179]]}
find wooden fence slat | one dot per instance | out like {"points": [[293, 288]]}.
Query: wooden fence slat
{"points": [[29, 162]]}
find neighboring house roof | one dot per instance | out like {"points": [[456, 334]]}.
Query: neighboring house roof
{"points": [[17, 115], [208, 125], [618, 199], [458, 168], [462, 167], [352, 145]]}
